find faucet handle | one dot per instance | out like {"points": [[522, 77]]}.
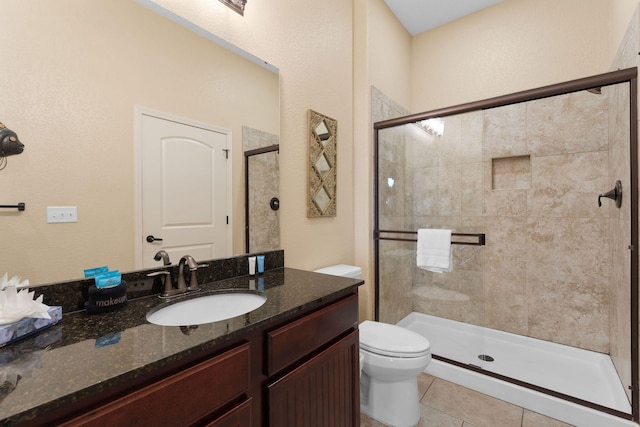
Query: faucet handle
{"points": [[168, 286], [193, 280]]}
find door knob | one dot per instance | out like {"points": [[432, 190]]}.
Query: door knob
{"points": [[152, 239]]}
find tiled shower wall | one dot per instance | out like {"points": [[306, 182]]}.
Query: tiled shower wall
{"points": [[528, 175], [264, 183]]}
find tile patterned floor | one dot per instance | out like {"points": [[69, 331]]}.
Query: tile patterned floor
{"points": [[444, 404]]}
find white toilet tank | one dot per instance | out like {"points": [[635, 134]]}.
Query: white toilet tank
{"points": [[342, 270]]}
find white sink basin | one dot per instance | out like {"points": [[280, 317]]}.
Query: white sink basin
{"points": [[206, 308]]}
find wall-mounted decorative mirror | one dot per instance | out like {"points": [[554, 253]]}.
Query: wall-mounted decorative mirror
{"points": [[323, 135]]}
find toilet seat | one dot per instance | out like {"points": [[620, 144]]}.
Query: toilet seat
{"points": [[391, 340]]}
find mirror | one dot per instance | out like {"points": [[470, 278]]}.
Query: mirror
{"points": [[262, 191], [74, 73], [323, 135]]}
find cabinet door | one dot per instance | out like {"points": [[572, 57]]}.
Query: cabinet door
{"points": [[324, 391]]}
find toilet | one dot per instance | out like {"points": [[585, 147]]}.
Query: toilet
{"points": [[391, 358]]}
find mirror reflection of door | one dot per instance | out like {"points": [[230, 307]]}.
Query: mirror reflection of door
{"points": [[184, 190], [262, 191]]}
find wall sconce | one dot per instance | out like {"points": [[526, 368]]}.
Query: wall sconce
{"points": [[237, 5], [9, 145]]}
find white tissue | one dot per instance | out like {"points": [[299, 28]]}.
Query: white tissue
{"points": [[17, 304], [15, 281]]}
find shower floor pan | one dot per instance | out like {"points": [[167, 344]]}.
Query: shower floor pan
{"points": [[583, 374]]}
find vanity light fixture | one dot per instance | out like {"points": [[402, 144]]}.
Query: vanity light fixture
{"points": [[434, 126], [237, 5]]}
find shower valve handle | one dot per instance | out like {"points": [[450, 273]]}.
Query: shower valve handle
{"points": [[614, 194]]}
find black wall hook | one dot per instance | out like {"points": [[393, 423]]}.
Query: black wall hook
{"points": [[615, 194]]}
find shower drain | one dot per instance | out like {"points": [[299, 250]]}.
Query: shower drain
{"points": [[486, 357]]}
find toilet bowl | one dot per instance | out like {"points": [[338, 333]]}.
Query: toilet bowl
{"points": [[393, 359]]}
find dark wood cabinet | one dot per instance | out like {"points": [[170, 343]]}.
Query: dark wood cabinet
{"points": [[322, 392], [181, 399], [238, 416], [301, 371]]}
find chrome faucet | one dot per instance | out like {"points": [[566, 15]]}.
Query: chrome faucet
{"points": [[164, 256], [193, 267]]}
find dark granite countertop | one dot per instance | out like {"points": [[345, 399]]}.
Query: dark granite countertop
{"points": [[85, 354]]}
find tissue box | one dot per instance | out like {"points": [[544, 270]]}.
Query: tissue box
{"points": [[28, 326]]}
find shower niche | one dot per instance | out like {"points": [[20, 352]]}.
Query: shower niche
{"points": [[510, 173], [556, 271]]}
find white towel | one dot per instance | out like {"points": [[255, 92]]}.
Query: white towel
{"points": [[434, 250]]}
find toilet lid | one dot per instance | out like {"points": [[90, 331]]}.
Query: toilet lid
{"points": [[392, 340]]}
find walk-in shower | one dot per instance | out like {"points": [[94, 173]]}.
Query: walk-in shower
{"points": [[544, 280], [261, 190]]}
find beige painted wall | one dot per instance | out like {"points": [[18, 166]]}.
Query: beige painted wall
{"points": [[619, 19], [311, 43], [382, 55], [74, 70], [512, 46]]}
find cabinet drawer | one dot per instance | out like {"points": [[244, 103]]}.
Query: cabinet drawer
{"points": [[291, 342], [240, 415], [180, 399]]}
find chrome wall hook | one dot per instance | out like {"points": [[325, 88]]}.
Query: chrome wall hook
{"points": [[615, 194]]}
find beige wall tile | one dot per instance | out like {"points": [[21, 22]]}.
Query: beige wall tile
{"points": [[569, 249], [572, 313], [449, 190], [504, 132], [568, 185], [506, 248], [472, 184], [426, 192], [471, 126], [505, 299], [576, 122], [449, 144]]}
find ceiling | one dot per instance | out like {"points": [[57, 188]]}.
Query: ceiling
{"points": [[418, 16]]}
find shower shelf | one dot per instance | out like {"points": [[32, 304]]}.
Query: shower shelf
{"points": [[480, 237]]}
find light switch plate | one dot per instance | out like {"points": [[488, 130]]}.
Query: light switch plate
{"points": [[57, 214]]}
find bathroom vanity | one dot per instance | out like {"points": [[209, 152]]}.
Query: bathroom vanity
{"points": [[292, 362]]}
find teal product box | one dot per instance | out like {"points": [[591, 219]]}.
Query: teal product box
{"points": [[92, 272], [108, 280]]}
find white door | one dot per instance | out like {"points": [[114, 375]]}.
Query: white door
{"points": [[183, 177]]}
